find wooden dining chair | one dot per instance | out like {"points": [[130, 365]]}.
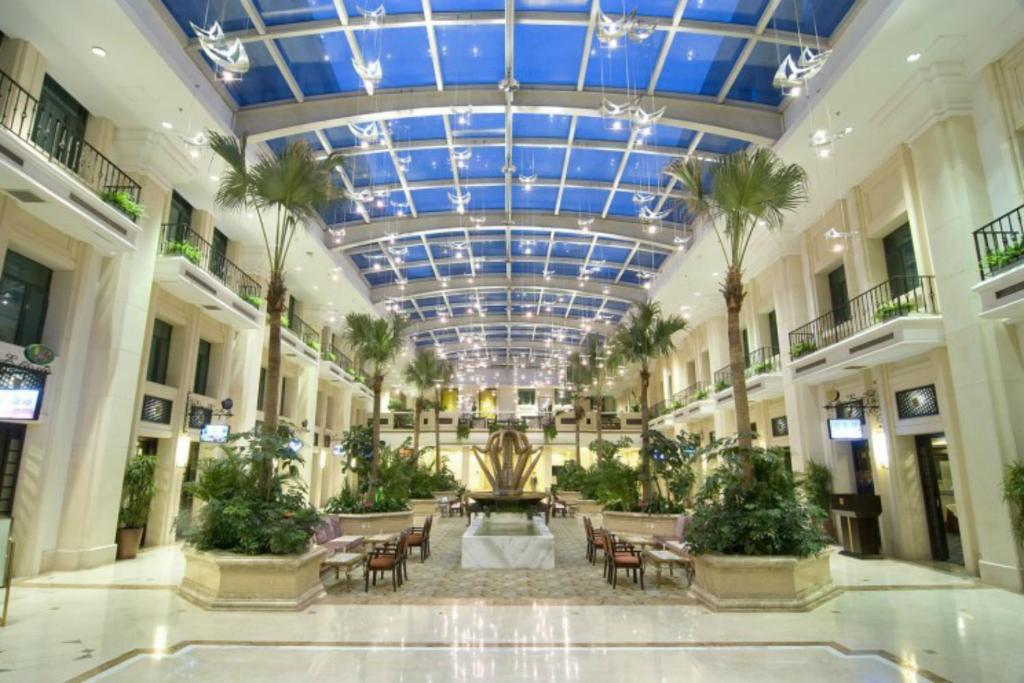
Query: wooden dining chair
{"points": [[595, 541], [419, 537], [621, 555], [390, 557]]}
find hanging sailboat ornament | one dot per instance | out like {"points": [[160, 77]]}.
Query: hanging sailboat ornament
{"points": [[367, 134], [373, 17], [642, 198], [610, 29], [459, 201], [370, 74], [461, 154], [642, 119], [228, 55], [362, 196], [793, 74], [649, 215], [609, 109]]}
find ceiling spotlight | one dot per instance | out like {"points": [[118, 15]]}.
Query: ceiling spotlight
{"points": [[98, 51], [913, 57], [166, 125]]}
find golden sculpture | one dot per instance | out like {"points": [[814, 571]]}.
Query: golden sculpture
{"points": [[507, 461]]}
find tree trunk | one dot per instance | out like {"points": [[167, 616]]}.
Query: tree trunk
{"points": [[272, 386], [437, 430], [577, 413], [733, 291], [417, 417], [645, 437], [600, 405], [378, 382]]}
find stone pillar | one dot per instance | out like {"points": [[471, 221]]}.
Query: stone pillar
{"points": [[985, 368], [305, 410], [20, 60], [101, 442]]}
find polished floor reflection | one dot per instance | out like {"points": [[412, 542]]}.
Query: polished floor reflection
{"points": [[892, 621]]}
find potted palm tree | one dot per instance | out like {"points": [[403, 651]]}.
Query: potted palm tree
{"points": [[420, 374], [578, 375], [376, 341], [643, 338], [739, 194], [136, 495]]}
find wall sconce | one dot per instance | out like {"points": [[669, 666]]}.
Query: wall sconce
{"points": [[880, 447], [181, 449]]}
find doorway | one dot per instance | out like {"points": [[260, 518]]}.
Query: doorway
{"points": [[939, 500], [185, 501], [12, 440], [862, 473]]}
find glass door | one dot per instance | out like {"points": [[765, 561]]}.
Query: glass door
{"points": [[12, 439], [219, 254], [862, 472], [939, 500]]}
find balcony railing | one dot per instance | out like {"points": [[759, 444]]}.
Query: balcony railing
{"points": [[335, 355], [894, 298], [1000, 244], [21, 114], [178, 239], [758, 362], [695, 392], [304, 331]]}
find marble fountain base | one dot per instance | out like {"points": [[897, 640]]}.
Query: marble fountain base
{"points": [[508, 541]]}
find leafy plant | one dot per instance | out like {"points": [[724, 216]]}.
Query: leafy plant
{"points": [[643, 338], [763, 515], [1013, 494], [520, 426], [701, 395], [661, 505], [137, 492], [893, 309], [286, 322], [350, 502], [572, 476], [124, 203], [312, 343], [737, 195], [185, 249], [253, 300], [721, 385], [817, 484], [611, 481], [329, 356], [1000, 258], [802, 348], [427, 372], [673, 460], [550, 430], [462, 431], [238, 514], [761, 368]]}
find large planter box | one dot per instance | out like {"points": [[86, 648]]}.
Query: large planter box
{"points": [[570, 497], [639, 523], [739, 583], [421, 507], [375, 523], [219, 580], [588, 507]]}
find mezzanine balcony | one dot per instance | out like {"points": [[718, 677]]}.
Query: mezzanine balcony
{"points": [[191, 269], [337, 366], [763, 375], [60, 178], [896, 319], [300, 340], [999, 246]]}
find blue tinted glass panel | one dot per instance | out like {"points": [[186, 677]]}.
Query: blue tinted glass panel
{"points": [[594, 128], [644, 8], [279, 145], [721, 145], [627, 66], [541, 126], [375, 168], [814, 17], [646, 169], [726, 11], [263, 81], [754, 84], [668, 136], [321, 65], [403, 53], [554, 5], [534, 198], [291, 11], [431, 200], [544, 162], [583, 200], [490, 198], [699, 64], [610, 254], [416, 128], [570, 250], [548, 55], [467, 5], [390, 6], [471, 54], [477, 125], [485, 162], [622, 205], [340, 137], [204, 12], [592, 164], [426, 164]]}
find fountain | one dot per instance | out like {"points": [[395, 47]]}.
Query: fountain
{"points": [[507, 531]]}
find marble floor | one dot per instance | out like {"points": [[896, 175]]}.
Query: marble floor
{"points": [[893, 621]]}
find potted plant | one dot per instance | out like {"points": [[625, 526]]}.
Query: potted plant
{"points": [[381, 503], [253, 300], [701, 395], [893, 309], [462, 431], [1001, 258], [550, 430], [721, 385], [802, 348], [123, 202], [817, 486], [427, 372], [1013, 494], [136, 495], [248, 546], [328, 356], [185, 249], [757, 544]]}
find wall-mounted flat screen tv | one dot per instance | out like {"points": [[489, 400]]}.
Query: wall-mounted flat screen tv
{"points": [[214, 433], [19, 404], [845, 430]]}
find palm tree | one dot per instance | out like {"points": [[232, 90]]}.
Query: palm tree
{"points": [[742, 192], [642, 338], [283, 189], [428, 372], [601, 364], [578, 376], [376, 341]]}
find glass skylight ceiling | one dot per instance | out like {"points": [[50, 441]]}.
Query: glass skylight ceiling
{"points": [[539, 196]]}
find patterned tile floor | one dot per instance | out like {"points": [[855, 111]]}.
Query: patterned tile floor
{"points": [[573, 581]]}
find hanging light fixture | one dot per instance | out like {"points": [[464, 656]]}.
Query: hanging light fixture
{"points": [[228, 55]]}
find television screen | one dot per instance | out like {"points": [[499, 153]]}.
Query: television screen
{"points": [[214, 433], [19, 404], [338, 450], [845, 430], [295, 445]]}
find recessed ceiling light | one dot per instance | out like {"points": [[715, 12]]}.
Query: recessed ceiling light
{"points": [[167, 125], [214, 178], [913, 57], [98, 51]]}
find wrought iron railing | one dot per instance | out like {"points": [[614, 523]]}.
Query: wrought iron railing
{"points": [[335, 355], [42, 128], [304, 331], [697, 391], [403, 420], [1000, 244], [758, 362], [177, 239], [895, 298]]}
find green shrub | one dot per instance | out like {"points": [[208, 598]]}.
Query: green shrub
{"points": [[550, 431], [462, 431], [610, 480], [996, 260], [572, 476], [1013, 494], [721, 385], [137, 492], [185, 249], [893, 309], [236, 516], [701, 395], [761, 368], [328, 355], [123, 202], [313, 343], [253, 300], [817, 485], [766, 517], [802, 348]]}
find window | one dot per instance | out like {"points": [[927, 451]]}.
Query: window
{"points": [[292, 320], [159, 352], [262, 389], [60, 124], [219, 253], [838, 296], [202, 367], [900, 262], [527, 397], [773, 331], [24, 295], [180, 213]]}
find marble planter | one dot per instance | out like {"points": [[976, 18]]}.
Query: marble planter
{"points": [[570, 497], [220, 580], [421, 507], [587, 507], [484, 546], [639, 523], [748, 584], [375, 523]]}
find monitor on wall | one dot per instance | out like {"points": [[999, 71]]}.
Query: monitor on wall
{"points": [[214, 434], [19, 404], [845, 430]]}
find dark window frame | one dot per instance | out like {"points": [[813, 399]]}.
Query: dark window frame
{"points": [[35, 281], [201, 378], [159, 352]]}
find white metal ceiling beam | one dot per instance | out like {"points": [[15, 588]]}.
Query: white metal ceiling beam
{"points": [[666, 46], [630, 144], [428, 287], [428, 20], [750, 123], [565, 163], [433, 324], [275, 53], [748, 47], [386, 134], [440, 222], [575, 263], [515, 346], [443, 183]]}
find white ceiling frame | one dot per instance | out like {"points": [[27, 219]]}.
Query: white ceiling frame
{"points": [[624, 293], [659, 65], [634, 134], [625, 265], [565, 163], [442, 183], [575, 263], [344, 24], [402, 182], [428, 21], [275, 53], [462, 321], [748, 47]]}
